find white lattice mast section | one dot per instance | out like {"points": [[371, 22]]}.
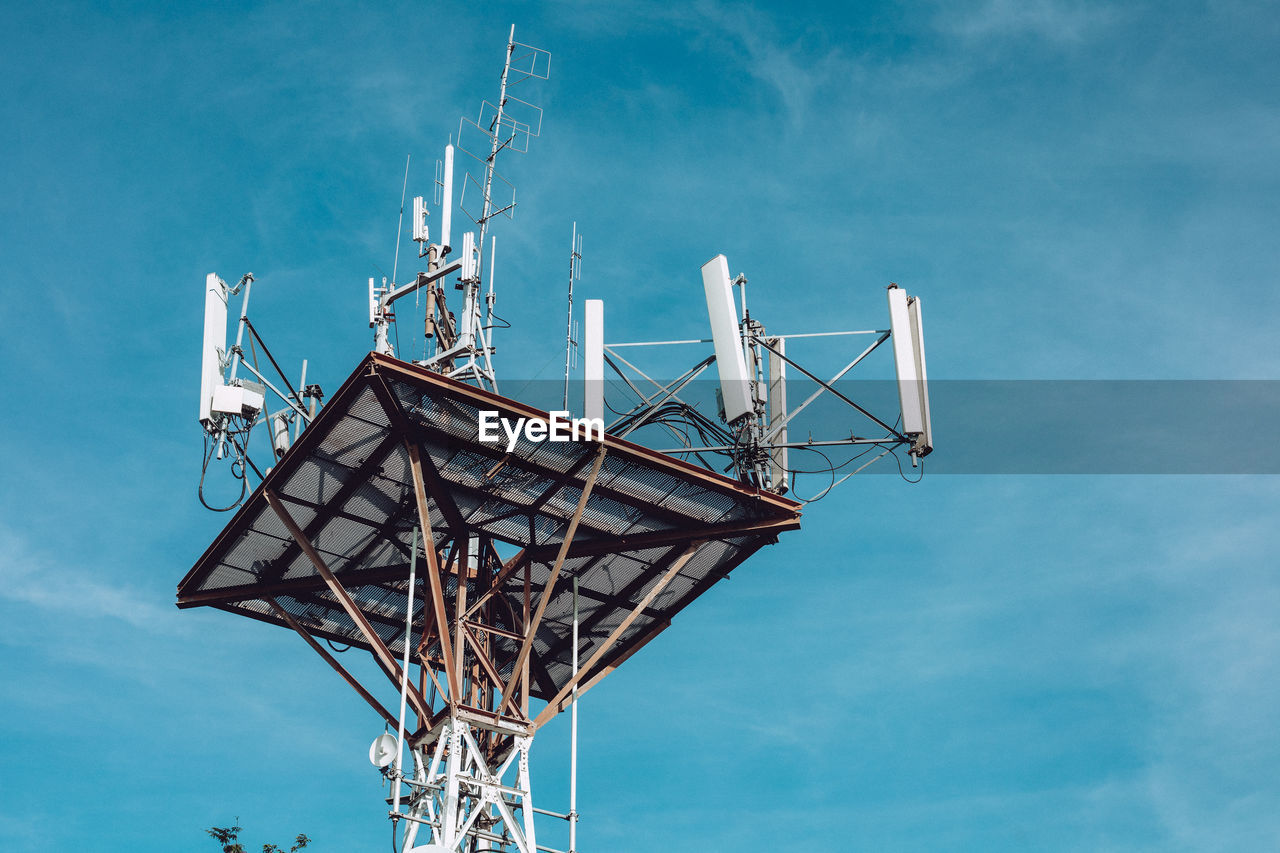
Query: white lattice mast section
{"points": [[460, 802]]}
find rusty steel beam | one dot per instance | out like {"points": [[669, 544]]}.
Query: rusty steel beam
{"points": [[485, 663], [463, 568], [439, 492], [640, 541], [622, 601], [553, 706], [380, 650], [508, 569], [357, 478], [246, 592], [433, 573], [472, 396], [490, 629], [332, 661], [531, 629], [636, 645]]}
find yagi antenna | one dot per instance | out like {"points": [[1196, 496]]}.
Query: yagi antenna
{"points": [[507, 125], [462, 343]]}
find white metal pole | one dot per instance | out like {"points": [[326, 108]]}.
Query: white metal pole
{"points": [[573, 734], [235, 357], [404, 669], [302, 390], [488, 322], [244, 315]]}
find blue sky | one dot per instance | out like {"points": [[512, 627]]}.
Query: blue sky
{"points": [[1077, 190]]}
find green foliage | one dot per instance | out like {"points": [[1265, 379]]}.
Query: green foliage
{"points": [[229, 838]]}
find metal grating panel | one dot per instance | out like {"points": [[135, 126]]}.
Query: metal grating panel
{"points": [[348, 486]]}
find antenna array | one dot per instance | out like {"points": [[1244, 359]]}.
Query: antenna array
{"points": [[752, 429], [231, 406], [460, 344]]}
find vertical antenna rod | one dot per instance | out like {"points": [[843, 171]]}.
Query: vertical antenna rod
{"points": [[404, 668], [400, 223], [575, 255]]}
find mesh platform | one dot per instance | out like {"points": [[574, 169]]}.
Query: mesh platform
{"points": [[347, 483]]}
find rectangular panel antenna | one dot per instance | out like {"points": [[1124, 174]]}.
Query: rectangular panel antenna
{"points": [[907, 335], [593, 359], [468, 256], [734, 385], [215, 340], [420, 233]]}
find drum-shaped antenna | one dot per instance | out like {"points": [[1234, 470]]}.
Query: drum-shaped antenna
{"points": [[383, 750]]}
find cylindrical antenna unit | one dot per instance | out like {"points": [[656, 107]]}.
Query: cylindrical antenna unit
{"points": [[280, 433], [446, 204], [593, 359], [215, 340]]}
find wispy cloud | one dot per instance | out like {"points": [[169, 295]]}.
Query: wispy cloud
{"points": [[794, 74], [31, 577], [1055, 21]]}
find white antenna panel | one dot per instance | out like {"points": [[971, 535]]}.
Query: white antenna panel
{"points": [[593, 359], [419, 220], [734, 385], [907, 334], [446, 206], [468, 256], [215, 339], [373, 304]]}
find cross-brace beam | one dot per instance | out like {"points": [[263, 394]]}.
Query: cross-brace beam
{"points": [[531, 628], [332, 661], [556, 705], [380, 650], [433, 574]]}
